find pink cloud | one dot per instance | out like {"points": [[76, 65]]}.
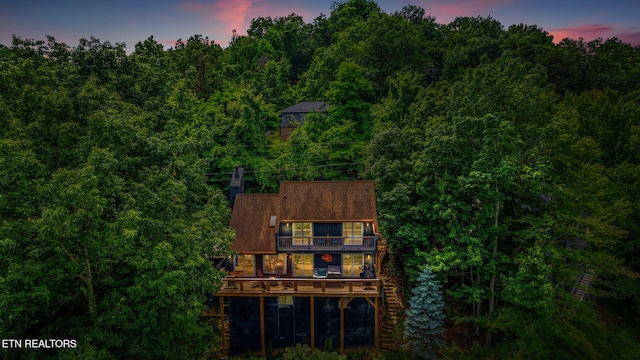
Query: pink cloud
{"points": [[447, 11], [169, 43], [223, 16], [632, 37], [587, 32], [594, 31]]}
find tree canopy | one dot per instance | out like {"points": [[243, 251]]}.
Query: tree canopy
{"points": [[504, 161]]}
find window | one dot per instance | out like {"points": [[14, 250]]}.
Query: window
{"points": [[352, 264], [302, 265], [246, 264], [275, 264], [352, 233], [285, 300], [301, 233]]}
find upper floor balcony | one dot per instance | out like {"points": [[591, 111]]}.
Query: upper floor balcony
{"points": [[326, 243]]}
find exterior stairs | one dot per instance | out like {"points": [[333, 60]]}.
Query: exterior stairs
{"points": [[217, 319], [583, 283], [226, 337], [390, 316]]}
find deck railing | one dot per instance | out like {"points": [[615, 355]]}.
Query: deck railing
{"points": [[326, 243], [252, 286]]}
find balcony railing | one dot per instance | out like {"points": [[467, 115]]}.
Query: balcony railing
{"points": [[326, 243], [248, 286]]}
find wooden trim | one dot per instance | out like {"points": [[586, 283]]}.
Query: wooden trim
{"points": [[375, 324], [222, 327], [342, 325], [313, 322], [299, 287], [262, 338], [374, 303], [325, 221], [285, 244], [344, 302]]}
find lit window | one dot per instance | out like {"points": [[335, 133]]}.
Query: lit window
{"points": [[301, 233], [353, 232], [246, 264], [275, 264], [352, 264], [302, 265]]}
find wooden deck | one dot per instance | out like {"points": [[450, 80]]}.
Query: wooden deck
{"points": [[251, 286]]}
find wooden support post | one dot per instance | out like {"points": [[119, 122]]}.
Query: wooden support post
{"points": [[375, 326], [313, 322], [341, 325], [262, 339], [222, 327], [343, 304], [374, 303]]}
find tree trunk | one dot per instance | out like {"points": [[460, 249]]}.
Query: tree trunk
{"points": [[492, 282], [91, 296]]}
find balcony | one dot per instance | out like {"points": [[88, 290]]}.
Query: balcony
{"points": [[251, 286], [325, 243]]}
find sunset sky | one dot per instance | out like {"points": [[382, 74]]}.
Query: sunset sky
{"points": [[130, 21]]}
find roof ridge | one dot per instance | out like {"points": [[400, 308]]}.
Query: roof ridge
{"points": [[323, 181], [258, 194]]}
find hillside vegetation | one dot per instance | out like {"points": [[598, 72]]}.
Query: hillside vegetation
{"points": [[507, 163]]}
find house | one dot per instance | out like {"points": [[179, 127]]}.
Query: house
{"points": [[295, 115], [305, 269]]}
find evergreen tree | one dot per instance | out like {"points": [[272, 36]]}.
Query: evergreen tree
{"points": [[423, 324]]}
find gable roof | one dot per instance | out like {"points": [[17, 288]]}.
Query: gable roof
{"points": [[327, 201], [307, 107], [251, 220], [299, 201]]}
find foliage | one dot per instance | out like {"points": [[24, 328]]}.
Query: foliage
{"points": [[111, 245], [505, 160], [424, 322], [304, 352]]}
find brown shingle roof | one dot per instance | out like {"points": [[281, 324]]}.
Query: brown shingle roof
{"points": [[327, 201], [250, 218], [309, 201]]}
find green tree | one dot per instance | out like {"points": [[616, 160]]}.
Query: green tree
{"points": [[350, 97], [289, 36], [424, 322], [452, 196], [468, 42], [350, 13], [199, 61], [107, 221]]}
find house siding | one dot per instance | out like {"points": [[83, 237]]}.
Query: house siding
{"points": [[288, 325]]}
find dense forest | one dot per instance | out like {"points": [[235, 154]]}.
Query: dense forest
{"points": [[506, 163]]}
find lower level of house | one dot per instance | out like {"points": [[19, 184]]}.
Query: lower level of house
{"points": [[255, 324]]}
